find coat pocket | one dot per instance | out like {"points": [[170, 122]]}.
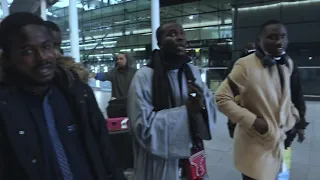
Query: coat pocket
{"points": [[268, 140]]}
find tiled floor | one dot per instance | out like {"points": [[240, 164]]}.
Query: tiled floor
{"points": [[305, 156]]}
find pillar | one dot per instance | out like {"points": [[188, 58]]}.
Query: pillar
{"points": [[74, 30], [43, 9], [155, 21], [5, 8], [235, 53]]}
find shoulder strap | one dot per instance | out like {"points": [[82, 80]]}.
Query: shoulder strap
{"points": [[234, 88]]}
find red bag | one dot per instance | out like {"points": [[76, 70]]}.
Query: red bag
{"points": [[118, 124], [195, 166]]}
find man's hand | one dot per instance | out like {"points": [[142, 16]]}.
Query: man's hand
{"points": [[261, 126], [301, 135], [195, 101]]}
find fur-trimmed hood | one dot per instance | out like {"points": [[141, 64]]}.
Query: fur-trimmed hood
{"points": [[69, 63]]}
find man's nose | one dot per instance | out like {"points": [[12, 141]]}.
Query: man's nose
{"points": [[181, 37], [42, 56], [279, 42]]}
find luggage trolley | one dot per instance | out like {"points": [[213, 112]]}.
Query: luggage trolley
{"points": [[121, 140]]}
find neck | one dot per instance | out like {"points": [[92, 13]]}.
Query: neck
{"points": [[168, 56], [121, 68], [173, 61], [26, 84]]}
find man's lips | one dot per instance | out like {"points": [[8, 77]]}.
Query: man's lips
{"points": [[280, 50], [44, 69]]}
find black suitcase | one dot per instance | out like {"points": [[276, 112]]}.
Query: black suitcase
{"points": [[117, 108], [121, 140]]}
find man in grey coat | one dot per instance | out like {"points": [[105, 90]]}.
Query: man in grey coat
{"points": [[160, 106]]}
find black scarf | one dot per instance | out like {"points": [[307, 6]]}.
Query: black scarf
{"points": [[161, 63], [269, 61]]}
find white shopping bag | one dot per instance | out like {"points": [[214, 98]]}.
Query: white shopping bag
{"points": [[284, 173]]}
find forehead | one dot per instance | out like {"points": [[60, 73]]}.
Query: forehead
{"points": [[172, 26], [121, 56], [275, 28], [33, 34]]}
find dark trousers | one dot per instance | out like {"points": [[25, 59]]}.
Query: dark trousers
{"points": [[244, 177]]}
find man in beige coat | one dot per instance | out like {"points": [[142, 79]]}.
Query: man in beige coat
{"points": [[264, 112]]}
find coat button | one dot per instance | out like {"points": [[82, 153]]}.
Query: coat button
{"points": [[4, 102], [34, 161], [281, 126], [21, 132], [85, 95]]}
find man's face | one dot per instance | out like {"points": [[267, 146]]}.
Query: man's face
{"points": [[173, 39], [121, 61], [274, 39], [32, 54], [57, 40]]}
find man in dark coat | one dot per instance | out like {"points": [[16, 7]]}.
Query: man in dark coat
{"points": [[50, 125]]}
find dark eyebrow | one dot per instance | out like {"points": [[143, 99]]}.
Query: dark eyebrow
{"points": [[28, 44]]}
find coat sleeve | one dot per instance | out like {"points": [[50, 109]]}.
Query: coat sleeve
{"points": [[103, 139], [226, 101], [106, 76], [297, 98], [164, 133]]}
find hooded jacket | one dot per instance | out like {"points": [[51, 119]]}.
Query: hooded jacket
{"points": [[69, 63], [119, 78]]}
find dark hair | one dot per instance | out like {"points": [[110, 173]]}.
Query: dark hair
{"points": [[159, 33], [267, 23], [11, 26], [52, 26], [128, 58], [160, 30]]}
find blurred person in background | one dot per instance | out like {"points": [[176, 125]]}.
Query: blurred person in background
{"points": [[50, 125], [120, 76], [56, 34], [65, 61], [257, 96], [164, 97]]}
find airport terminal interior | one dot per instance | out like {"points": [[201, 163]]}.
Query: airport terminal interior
{"points": [[217, 33]]}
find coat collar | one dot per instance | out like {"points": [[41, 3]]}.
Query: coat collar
{"points": [[268, 61]]}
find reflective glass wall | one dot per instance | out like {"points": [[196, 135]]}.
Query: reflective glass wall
{"points": [[108, 27]]}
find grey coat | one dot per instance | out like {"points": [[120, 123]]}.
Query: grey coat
{"points": [[161, 138]]}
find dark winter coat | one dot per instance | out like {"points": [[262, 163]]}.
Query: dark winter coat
{"points": [[20, 153]]}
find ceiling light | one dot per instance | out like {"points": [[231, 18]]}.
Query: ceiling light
{"points": [[191, 17]]}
